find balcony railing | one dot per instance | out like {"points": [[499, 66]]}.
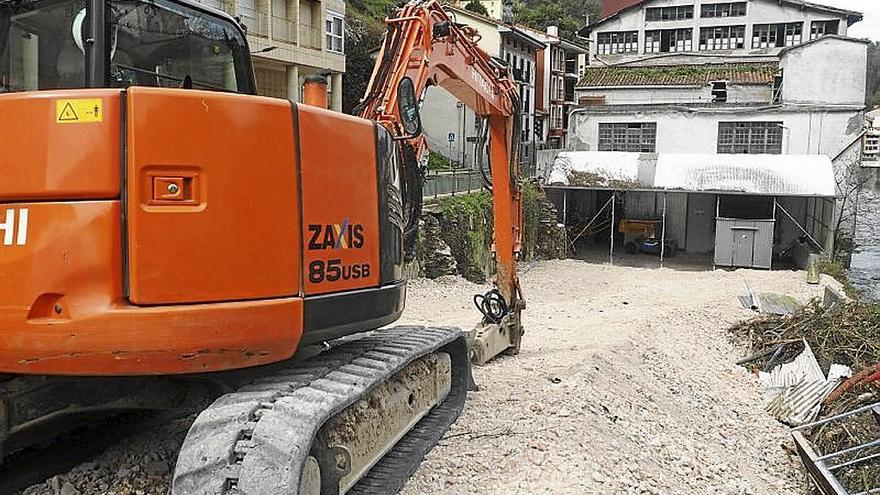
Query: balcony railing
{"points": [[310, 36], [283, 29]]}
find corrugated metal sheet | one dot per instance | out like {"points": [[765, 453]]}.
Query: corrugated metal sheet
{"points": [[771, 175], [676, 217], [754, 73], [762, 254], [794, 391], [638, 204]]}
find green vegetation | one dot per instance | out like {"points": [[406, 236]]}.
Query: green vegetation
{"points": [[684, 70], [436, 161], [837, 271], [364, 28], [467, 222], [477, 7], [569, 15]]}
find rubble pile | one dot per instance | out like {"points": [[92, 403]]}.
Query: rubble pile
{"points": [[847, 333]]}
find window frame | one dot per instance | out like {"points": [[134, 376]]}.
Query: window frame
{"points": [[750, 137], [669, 13], [772, 32], [730, 6], [633, 137], [617, 42], [722, 42], [824, 25], [329, 35], [683, 35]]}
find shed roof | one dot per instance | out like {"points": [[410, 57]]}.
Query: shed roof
{"points": [[760, 175], [746, 73]]}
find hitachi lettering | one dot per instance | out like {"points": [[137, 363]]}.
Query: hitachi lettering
{"points": [[336, 236], [9, 230]]}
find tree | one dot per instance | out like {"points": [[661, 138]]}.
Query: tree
{"points": [[851, 182], [364, 28], [569, 15], [477, 7]]}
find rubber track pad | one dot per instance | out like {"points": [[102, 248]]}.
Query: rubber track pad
{"points": [[255, 441]]}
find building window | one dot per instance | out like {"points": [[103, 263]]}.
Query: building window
{"points": [[722, 38], [777, 35], [821, 28], [735, 9], [669, 40], [556, 122], [334, 30], [618, 42], [637, 138], [719, 91], [676, 13], [750, 137], [872, 146]]}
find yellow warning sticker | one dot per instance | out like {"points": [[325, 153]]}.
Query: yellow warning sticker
{"points": [[79, 111]]}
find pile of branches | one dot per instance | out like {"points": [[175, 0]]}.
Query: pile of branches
{"points": [[848, 333]]}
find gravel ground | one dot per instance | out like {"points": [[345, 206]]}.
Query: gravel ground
{"points": [[626, 383]]}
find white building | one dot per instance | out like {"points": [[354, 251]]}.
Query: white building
{"points": [[811, 102], [558, 71], [453, 129], [805, 102], [755, 27], [290, 40]]}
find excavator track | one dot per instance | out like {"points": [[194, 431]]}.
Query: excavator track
{"points": [[267, 437]]}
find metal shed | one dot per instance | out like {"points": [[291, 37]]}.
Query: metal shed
{"points": [[798, 193]]}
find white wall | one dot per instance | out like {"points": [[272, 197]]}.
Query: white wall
{"points": [[757, 12], [647, 95], [440, 116], [806, 132], [828, 71]]}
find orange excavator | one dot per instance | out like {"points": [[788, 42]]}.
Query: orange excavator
{"points": [[168, 238]]}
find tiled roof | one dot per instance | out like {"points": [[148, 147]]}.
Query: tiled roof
{"points": [[679, 75]]}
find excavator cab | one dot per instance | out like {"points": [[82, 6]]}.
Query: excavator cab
{"points": [[71, 44]]}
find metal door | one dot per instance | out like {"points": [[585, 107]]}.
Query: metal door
{"points": [[743, 246], [700, 219]]}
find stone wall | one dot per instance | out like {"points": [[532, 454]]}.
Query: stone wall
{"points": [[456, 236]]}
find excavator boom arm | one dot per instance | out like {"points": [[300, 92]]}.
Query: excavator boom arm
{"points": [[425, 45]]}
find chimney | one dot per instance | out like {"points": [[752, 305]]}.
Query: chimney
{"points": [[553, 31], [610, 7]]}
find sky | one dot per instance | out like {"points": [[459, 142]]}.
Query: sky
{"points": [[869, 27]]}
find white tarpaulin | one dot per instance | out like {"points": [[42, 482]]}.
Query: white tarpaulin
{"points": [[605, 167], [771, 175], [778, 175]]}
